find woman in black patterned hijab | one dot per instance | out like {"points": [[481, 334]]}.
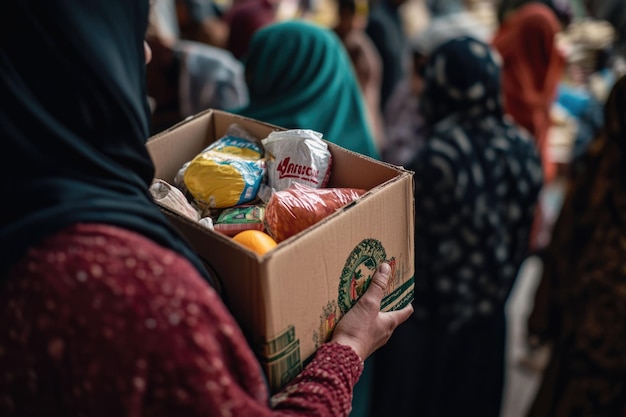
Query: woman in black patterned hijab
{"points": [[476, 184]]}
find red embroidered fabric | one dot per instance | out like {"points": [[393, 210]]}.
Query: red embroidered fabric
{"points": [[100, 321]]}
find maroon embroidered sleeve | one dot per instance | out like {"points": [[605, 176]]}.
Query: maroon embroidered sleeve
{"points": [[98, 321], [325, 386]]}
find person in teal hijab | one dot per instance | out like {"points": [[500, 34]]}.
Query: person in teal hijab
{"points": [[299, 76]]}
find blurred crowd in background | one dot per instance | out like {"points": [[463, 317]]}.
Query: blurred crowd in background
{"points": [[200, 49]]}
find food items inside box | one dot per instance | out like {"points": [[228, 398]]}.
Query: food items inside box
{"points": [[172, 198], [219, 187], [297, 156], [255, 240], [295, 209], [233, 220], [227, 173]]}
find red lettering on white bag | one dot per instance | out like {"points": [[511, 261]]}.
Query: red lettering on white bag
{"points": [[288, 169]]}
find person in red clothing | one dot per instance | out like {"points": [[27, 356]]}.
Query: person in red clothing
{"points": [[532, 68], [244, 18], [104, 309]]}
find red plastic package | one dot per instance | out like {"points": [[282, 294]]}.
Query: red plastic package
{"points": [[290, 211]]}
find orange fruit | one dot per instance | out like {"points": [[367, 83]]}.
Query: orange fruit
{"points": [[255, 240]]}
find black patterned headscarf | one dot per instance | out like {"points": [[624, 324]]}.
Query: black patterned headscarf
{"points": [[74, 122], [462, 77]]}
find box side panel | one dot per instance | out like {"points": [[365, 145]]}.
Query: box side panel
{"points": [[310, 284]]}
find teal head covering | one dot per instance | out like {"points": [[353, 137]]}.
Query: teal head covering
{"points": [[74, 121], [299, 76]]}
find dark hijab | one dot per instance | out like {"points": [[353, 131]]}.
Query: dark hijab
{"points": [[472, 93], [477, 179], [74, 122], [579, 305]]}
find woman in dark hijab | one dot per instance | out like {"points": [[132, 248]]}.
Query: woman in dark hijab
{"points": [[580, 305], [103, 309], [477, 178], [74, 135]]}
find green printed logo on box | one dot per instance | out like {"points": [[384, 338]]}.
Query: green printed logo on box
{"points": [[355, 278], [358, 270]]}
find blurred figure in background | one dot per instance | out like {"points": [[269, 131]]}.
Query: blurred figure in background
{"points": [[385, 29], [195, 20], [580, 305], [244, 18], [613, 11], [200, 21], [405, 130], [562, 9], [532, 67], [186, 77], [477, 179], [300, 77], [457, 21], [444, 7], [404, 125], [350, 27]]}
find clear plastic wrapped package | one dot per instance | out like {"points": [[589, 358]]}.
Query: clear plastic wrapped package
{"points": [[227, 173], [290, 211]]}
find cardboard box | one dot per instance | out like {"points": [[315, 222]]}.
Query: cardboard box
{"points": [[289, 300]]}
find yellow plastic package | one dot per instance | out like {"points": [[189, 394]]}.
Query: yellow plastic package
{"points": [[227, 173]]}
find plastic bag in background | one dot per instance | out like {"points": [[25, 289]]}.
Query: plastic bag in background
{"points": [[290, 211], [297, 156], [227, 173], [172, 198]]}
